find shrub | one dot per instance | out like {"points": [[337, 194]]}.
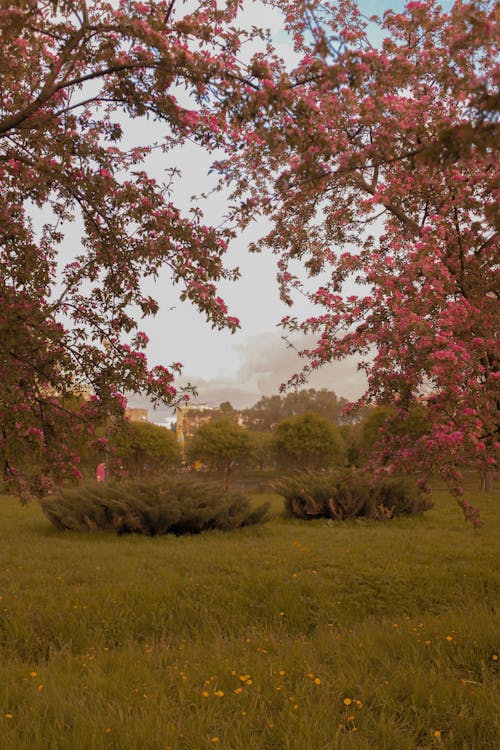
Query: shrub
{"points": [[170, 505], [350, 494]]}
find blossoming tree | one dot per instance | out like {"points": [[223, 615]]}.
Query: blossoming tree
{"points": [[375, 162], [74, 74]]}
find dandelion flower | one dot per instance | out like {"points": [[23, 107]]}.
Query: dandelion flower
{"points": [[449, 637], [219, 693], [317, 681], [347, 701], [437, 734], [33, 674]]}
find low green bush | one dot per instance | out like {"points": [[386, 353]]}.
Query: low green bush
{"points": [[351, 493], [170, 505]]}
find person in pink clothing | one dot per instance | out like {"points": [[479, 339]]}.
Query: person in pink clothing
{"points": [[101, 472]]}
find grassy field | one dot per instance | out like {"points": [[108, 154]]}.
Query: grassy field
{"points": [[288, 636]]}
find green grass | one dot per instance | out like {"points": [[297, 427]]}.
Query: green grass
{"points": [[251, 640]]}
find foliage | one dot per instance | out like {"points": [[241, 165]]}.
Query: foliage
{"points": [[351, 437], [384, 430], [143, 448], [261, 455], [350, 494], [269, 410], [74, 77], [377, 168], [307, 442], [220, 445], [170, 505]]}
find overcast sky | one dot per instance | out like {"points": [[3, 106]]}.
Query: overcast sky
{"points": [[255, 360]]}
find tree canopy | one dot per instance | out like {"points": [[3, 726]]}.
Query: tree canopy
{"points": [[269, 410], [308, 442], [144, 449], [74, 76], [373, 157], [375, 161], [221, 445]]}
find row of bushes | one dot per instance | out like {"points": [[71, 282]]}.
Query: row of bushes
{"points": [[349, 494], [170, 505], [185, 505]]}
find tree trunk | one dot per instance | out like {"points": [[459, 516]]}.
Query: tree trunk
{"points": [[487, 481]]}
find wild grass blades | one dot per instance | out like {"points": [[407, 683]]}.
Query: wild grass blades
{"points": [[289, 636]]}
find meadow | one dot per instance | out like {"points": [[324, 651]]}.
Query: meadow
{"points": [[288, 636]]}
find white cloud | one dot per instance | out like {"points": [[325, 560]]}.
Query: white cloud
{"points": [[266, 362]]}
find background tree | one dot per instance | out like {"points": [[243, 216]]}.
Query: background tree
{"points": [[269, 410], [376, 164], [265, 414], [144, 449], [307, 442], [261, 455], [221, 445], [74, 74], [227, 411], [383, 431], [323, 402]]}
